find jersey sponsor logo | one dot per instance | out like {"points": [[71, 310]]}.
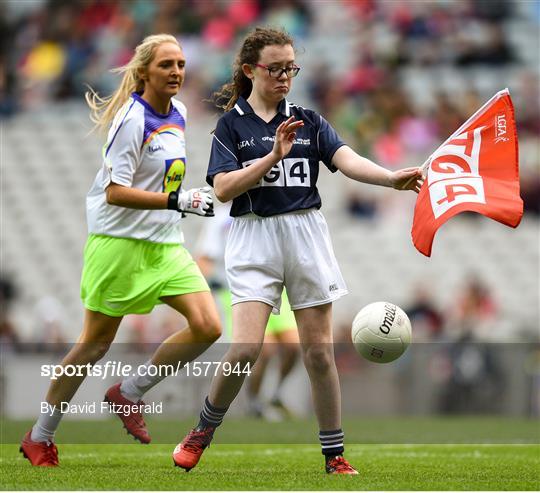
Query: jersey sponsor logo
{"points": [[298, 141], [174, 174], [247, 143], [155, 148], [289, 172]]}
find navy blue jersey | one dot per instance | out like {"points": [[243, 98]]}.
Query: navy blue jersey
{"points": [[242, 137]]}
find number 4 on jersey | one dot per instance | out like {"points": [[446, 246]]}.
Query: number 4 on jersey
{"points": [[298, 171]]}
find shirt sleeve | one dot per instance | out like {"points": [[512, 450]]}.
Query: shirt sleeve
{"points": [[123, 149], [222, 155], [181, 107], [328, 142]]}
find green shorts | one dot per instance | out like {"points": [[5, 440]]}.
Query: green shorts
{"points": [[277, 324], [123, 275]]}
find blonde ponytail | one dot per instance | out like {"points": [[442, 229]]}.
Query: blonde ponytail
{"points": [[103, 109]]}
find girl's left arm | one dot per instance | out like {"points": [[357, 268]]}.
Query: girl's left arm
{"points": [[195, 200], [362, 169]]}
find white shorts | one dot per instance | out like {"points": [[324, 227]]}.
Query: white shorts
{"points": [[294, 250]]}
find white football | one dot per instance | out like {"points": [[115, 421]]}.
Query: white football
{"points": [[381, 332]]}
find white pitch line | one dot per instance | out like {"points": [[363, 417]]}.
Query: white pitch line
{"points": [[355, 450]]}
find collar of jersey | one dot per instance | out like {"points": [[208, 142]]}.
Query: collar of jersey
{"points": [[137, 96], [244, 108]]}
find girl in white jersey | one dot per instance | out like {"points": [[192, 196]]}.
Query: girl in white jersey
{"points": [[265, 157], [134, 258]]}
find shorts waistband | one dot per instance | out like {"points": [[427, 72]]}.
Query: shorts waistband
{"points": [[252, 215]]}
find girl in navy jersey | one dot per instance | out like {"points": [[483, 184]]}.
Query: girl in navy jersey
{"points": [[134, 258], [265, 157]]}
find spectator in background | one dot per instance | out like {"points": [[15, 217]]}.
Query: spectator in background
{"points": [[446, 115], [9, 338], [425, 317], [49, 320], [528, 99], [474, 378], [291, 15], [472, 312], [530, 190], [366, 75], [494, 50], [8, 95], [360, 206], [82, 39]]}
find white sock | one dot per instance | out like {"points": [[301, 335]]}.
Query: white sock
{"points": [[46, 425], [133, 388]]}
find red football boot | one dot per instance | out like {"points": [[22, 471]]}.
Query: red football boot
{"points": [[133, 420], [188, 453], [43, 454], [338, 465]]}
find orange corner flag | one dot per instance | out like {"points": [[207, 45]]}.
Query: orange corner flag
{"points": [[476, 169]]}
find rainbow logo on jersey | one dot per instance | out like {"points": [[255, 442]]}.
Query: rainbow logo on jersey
{"points": [[174, 174], [170, 129]]}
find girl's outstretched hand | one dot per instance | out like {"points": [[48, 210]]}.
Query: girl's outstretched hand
{"points": [[285, 135], [407, 179]]}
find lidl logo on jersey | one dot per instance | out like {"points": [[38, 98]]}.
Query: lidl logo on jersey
{"points": [[175, 170]]}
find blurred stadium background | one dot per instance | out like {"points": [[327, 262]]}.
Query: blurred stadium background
{"points": [[394, 78]]}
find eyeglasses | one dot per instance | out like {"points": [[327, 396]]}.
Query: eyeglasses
{"points": [[277, 72]]}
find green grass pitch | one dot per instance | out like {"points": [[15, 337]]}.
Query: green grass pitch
{"points": [[505, 457]]}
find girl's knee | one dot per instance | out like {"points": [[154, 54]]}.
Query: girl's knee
{"points": [[319, 358], [206, 328]]}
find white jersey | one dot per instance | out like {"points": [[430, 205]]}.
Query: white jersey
{"points": [[144, 150]]}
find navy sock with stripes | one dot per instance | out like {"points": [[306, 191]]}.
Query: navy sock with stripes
{"points": [[211, 416], [332, 442]]}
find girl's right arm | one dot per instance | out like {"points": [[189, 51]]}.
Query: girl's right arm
{"points": [[231, 184]]}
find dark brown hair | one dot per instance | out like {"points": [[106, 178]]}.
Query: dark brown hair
{"points": [[249, 53]]}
